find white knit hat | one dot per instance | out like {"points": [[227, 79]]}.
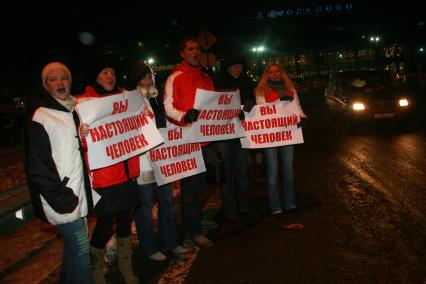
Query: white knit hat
{"points": [[52, 66]]}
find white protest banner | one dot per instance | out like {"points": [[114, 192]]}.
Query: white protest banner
{"points": [[118, 130], [218, 118], [177, 158], [272, 125]]}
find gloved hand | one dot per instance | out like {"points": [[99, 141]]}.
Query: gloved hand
{"points": [[191, 115], [242, 116], [303, 122], [248, 105], [286, 98]]}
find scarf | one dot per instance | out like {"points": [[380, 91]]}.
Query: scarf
{"points": [[68, 103], [279, 87], [152, 92]]}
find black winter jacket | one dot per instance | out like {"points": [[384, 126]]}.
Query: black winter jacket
{"points": [[53, 199]]}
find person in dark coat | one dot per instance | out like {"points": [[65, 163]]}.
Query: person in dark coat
{"points": [[235, 183]]}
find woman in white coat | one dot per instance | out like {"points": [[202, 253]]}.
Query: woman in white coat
{"points": [[57, 180]]}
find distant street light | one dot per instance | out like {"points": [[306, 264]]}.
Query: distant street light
{"points": [[258, 49], [150, 60], [374, 38]]}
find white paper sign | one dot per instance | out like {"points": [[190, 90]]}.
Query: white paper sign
{"points": [[118, 128], [177, 158], [272, 125], [218, 117]]}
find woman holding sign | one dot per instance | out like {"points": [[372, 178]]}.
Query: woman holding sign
{"points": [[275, 85], [117, 187], [142, 77], [58, 184]]}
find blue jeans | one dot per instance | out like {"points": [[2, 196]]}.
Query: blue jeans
{"points": [[75, 258], [271, 159], [233, 191], [166, 218]]}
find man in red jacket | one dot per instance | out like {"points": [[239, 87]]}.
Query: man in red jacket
{"points": [[179, 99]]}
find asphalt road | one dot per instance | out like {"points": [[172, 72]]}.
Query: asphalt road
{"points": [[362, 199]]}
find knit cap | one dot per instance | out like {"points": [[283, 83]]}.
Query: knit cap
{"points": [[138, 71], [233, 57], [96, 68], [53, 66]]}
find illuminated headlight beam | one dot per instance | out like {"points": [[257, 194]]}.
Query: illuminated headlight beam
{"points": [[403, 102], [358, 106]]}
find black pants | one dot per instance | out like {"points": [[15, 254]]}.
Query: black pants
{"points": [[104, 224]]}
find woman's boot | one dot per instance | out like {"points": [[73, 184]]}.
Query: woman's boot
{"points": [[124, 254], [98, 265]]}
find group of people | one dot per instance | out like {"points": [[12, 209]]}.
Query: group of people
{"points": [[61, 183]]}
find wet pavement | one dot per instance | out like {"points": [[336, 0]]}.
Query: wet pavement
{"points": [[361, 197]]}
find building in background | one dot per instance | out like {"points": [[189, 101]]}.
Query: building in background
{"points": [[307, 40]]}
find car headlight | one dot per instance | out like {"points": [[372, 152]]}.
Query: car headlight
{"points": [[358, 106], [403, 102]]}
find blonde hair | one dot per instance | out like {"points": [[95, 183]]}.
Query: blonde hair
{"points": [[262, 86]]}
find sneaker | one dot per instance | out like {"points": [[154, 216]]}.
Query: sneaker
{"points": [[202, 241], [158, 256], [278, 214], [180, 250]]}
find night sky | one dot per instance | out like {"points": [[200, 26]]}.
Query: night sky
{"points": [[34, 36]]}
